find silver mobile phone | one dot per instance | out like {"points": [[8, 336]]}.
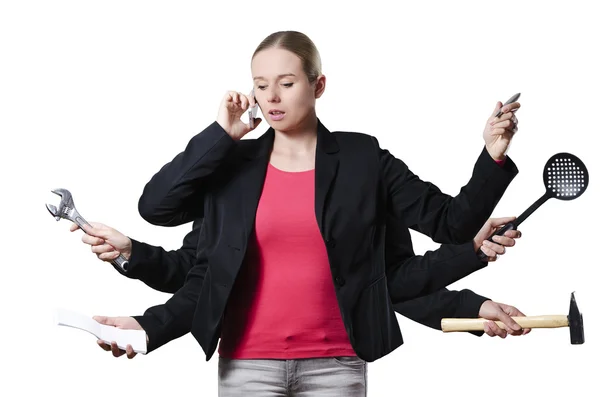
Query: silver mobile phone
{"points": [[511, 100], [252, 110]]}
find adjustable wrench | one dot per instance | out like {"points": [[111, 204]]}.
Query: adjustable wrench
{"points": [[66, 210]]}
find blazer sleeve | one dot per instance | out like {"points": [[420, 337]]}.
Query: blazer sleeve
{"points": [[160, 269], [422, 275], [175, 194], [173, 319], [445, 219], [419, 280], [429, 310]]}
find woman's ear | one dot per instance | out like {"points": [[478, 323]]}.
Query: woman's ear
{"points": [[320, 86]]}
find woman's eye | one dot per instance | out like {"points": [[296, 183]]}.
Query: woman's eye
{"points": [[288, 84], [262, 87]]}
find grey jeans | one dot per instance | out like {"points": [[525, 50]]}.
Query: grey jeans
{"points": [[326, 377]]}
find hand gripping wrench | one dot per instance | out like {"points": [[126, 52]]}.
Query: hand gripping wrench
{"points": [[66, 210]]}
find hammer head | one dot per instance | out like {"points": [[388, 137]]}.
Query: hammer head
{"points": [[575, 322]]}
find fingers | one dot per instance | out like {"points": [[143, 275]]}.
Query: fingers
{"points": [[244, 102], [504, 241], [499, 244], [109, 256], [115, 350], [233, 98], [105, 252], [513, 234], [103, 345], [512, 107], [491, 254], [493, 249], [506, 123], [92, 240], [503, 323], [492, 329], [511, 325], [113, 347], [239, 99], [514, 312], [503, 117], [101, 249], [73, 227], [486, 329], [130, 353], [502, 131], [256, 123]]}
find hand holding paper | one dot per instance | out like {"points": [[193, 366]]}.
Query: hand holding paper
{"points": [[123, 331]]}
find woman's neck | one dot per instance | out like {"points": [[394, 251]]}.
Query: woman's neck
{"points": [[301, 140], [294, 150]]}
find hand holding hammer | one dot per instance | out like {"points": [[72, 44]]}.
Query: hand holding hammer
{"points": [[574, 320]]}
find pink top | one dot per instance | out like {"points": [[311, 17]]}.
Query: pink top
{"points": [[283, 305]]}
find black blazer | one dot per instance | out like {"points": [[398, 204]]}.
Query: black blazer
{"points": [[358, 185], [166, 271]]}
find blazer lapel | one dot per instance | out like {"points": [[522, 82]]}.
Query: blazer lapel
{"points": [[326, 166], [253, 177]]}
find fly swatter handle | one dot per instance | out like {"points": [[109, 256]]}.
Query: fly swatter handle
{"points": [[509, 226]]}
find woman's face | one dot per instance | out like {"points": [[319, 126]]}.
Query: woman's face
{"points": [[286, 98]]}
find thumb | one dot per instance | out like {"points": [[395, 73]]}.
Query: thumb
{"points": [[97, 230], [508, 320], [105, 320], [497, 108], [73, 227]]}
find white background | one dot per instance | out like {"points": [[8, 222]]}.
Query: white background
{"points": [[96, 96]]}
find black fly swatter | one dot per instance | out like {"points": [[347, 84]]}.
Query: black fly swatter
{"points": [[565, 178]]}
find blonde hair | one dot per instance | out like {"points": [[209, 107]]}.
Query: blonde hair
{"points": [[300, 45]]}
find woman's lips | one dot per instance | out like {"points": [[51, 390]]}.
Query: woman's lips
{"points": [[276, 115]]}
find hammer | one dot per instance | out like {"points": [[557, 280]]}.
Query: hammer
{"points": [[574, 321]]}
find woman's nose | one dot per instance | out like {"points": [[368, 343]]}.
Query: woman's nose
{"points": [[272, 96]]}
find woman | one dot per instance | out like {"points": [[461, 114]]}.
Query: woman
{"points": [[286, 213]]}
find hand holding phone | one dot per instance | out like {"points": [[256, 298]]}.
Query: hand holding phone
{"points": [[511, 100]]}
